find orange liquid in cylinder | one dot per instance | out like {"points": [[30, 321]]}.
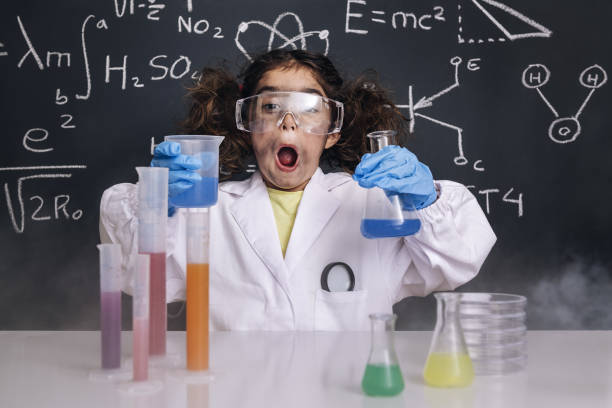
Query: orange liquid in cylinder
{"points": [[197, 316]]}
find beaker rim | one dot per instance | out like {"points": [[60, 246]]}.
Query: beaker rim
{"points": [[447, 295], [193, 137], [378, 133], [492, 298], [383, 316], [151, 170]]}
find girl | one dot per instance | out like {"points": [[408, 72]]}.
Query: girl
{"points": [[272, 235]]}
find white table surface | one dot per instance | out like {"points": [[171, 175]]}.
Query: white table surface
{"points": [[302, 369]]}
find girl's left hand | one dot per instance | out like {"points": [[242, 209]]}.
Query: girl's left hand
{"points": [[397, 170]]}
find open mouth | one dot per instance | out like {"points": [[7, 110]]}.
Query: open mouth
{"points": [[287, 158]]}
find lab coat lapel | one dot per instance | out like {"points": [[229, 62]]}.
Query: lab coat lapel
{"points": [[253, 214], [316, 208]]}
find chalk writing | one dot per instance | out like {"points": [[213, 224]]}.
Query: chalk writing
{"points": [[199, 27], [539, 29], [490, 193], [152, 7], [17, 218], [399, 20], [292, 42], [564, 129], [426, 102]]}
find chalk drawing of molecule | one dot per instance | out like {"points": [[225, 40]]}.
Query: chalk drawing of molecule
{"points": [[295, 42], [564, 129], [538, 30], [426, 102]]}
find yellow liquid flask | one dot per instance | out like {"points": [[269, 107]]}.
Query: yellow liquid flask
{"points": [[382, 377], [448, 363]]}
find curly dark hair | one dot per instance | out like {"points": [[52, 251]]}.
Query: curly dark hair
{"points": [[367, 107]]}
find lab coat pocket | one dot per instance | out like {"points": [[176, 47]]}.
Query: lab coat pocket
{"points": [[341, 310], [236, 305]]}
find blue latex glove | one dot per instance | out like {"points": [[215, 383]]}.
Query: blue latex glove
{"points": [[181, 175], [397, 171]]}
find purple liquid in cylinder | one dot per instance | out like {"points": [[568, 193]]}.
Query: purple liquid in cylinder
{"points": [[202, 194], [372, 228], [110, 327]]}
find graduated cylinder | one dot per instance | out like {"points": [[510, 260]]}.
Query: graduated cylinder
{"points": [[110, 304], [198, 233], [152, 219]]}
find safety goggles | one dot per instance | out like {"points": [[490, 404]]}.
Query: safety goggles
{"points": [[312, 113]]}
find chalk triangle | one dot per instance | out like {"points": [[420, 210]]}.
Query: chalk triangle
{"points": [[510, 22]]}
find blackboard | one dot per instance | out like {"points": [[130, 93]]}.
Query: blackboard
{"points": [[509, 98]]}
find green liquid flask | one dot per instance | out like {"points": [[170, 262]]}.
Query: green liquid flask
{"points": [[448, 363], [382, 377]]}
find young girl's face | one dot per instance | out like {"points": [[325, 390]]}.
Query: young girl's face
{"points": [[287, 156]]}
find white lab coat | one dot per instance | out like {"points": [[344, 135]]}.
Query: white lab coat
{"points": [[253, 287]]}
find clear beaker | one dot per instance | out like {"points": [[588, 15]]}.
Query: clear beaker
{"points": [[383, 216], [448, 363], [382, 376], [205, 148]]}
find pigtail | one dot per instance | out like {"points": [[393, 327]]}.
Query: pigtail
{"points": [[367, 108], [211, 111]]}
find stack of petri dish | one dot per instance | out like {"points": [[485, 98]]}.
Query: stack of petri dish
{"points": [[495, 332]]}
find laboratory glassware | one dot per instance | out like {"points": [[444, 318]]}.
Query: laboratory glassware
{"points": [[140, 319], [448, 362], [110, 304], [495, 330], [203, 193], [141, 384], [383, 215], [382, 376], [152, 220], [198, 233]]}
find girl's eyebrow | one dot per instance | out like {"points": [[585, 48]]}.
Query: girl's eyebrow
{"points": [[275, 89]]}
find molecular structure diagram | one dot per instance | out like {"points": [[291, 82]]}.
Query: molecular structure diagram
{"points": [[564, 129], [274, 33], [426, 102]]}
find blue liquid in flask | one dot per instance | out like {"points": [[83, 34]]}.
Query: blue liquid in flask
{"points": [[202, 194], [376, 228]]}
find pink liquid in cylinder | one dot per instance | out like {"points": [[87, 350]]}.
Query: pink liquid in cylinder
{"points": [[110, 327], [141, 349], [157, 305]]}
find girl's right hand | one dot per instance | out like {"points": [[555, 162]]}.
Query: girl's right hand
{"points": [[181, 175]]}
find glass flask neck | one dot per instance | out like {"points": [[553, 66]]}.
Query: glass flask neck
{"points": [[447, 306], [448, 336], [381, 138], [383, 347]]}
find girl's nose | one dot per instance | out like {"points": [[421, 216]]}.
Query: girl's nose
{"points": [[288, 122]]}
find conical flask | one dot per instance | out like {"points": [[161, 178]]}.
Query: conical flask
{"points": [[448, 363], [383, 216], [382, 376]]}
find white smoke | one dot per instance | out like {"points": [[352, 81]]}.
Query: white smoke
{"points": [[579, 297]]}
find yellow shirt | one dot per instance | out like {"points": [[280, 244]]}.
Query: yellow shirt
{"points": [[284, 205]]}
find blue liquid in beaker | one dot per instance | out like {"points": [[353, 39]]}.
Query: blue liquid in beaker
{"points": [[373, 228], [203, 194]]}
